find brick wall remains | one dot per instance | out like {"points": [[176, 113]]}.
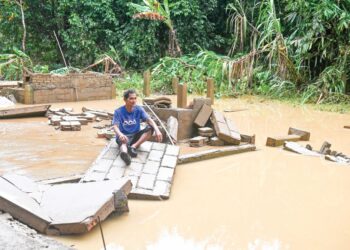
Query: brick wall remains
{"points": [[48, 88]]}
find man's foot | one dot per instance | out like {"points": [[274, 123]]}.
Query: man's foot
{"points": [[125, 157], [132, 151]]}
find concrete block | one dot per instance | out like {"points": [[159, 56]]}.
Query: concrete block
{"points": [[169, 161], [215, 141], [162, 188], [103, 165], [206, 132], [203, 115], [165, 174], [134, 169], [304, 135], [115, 173], [156, 155], [158, 146], [146, 181], [145, 147], [198, 141], [172, 150], [151, 167], [141, 157]]}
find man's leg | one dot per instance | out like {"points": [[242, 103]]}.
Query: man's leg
{"points": [[124, 152], [144, 137], [138, 139]]}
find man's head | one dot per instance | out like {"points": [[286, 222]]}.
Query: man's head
{"points": [[130, 97]]}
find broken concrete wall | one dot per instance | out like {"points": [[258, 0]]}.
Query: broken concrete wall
{"points": [[184, 117], [47, 88], [62, 209]]}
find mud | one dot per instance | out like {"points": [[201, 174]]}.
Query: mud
{"points": [[268, 199]]}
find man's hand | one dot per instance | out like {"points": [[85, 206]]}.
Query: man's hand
{"points": [[159, 136], [123, 138]]}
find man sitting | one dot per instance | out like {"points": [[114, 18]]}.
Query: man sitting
{"points": [[126, 123]]}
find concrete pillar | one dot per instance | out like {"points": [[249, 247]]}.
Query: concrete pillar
{"points": [[182, 95], [174, 83], [210, 89], [28, 94], [147, 83]]}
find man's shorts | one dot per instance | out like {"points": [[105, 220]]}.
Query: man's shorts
{"points": [[132, 138]]}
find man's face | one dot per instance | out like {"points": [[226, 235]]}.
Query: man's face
{"points": [[131, 101]]}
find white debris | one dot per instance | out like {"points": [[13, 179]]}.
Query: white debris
{"points": [[4, 102]]}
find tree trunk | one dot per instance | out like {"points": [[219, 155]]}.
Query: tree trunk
{"points": [[20, 4]]}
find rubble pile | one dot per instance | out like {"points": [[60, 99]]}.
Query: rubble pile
{"points": [[325, 151]]}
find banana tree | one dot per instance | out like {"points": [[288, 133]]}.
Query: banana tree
{"points": [[153, 10], [12, 65]]}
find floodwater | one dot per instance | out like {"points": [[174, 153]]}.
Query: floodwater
{"points": [[268, 199]]}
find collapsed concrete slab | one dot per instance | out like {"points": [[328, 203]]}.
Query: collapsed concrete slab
{"points": [[151, 172], [65, 208], [15, 235], [38, 110]]}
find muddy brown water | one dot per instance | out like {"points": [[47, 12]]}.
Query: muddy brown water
{"points": [[268, 199]]}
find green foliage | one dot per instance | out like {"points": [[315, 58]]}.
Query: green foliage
{"points": [[12, 65]]}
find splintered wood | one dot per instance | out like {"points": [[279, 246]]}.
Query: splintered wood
{"points": [[225, 129]]}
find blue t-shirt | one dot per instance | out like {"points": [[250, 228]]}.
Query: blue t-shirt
{"points": [[129, 123]]}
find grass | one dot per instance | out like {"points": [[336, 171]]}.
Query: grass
{"points": [[283, 91]]}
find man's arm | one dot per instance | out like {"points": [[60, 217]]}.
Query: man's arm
{"points": [[158, 134], [123, 138]]}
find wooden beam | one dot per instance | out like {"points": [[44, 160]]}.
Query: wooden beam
{"points": [[147, 83], [279, 140], [182, 95], [210, 89], [174, 83], [214, 153]]}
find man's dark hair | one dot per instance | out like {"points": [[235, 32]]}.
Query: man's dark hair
{"points": [[128, 92]]}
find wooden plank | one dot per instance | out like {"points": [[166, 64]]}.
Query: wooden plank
{"points": [[304, 135], [32, 111], [214, 153], [279, 140]]}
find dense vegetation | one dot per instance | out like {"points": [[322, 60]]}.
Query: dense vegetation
{"points": [[270, 47]]}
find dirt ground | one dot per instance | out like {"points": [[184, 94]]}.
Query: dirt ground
{"points": [[268, 199]]}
